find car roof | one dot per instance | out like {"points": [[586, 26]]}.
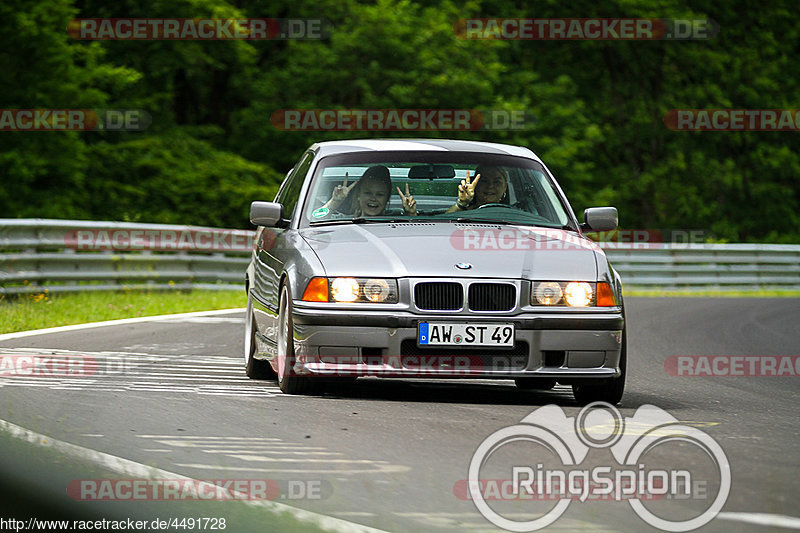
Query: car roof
{"points": [[419, 145]]}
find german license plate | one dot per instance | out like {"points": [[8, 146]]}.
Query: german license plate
{"points": [[460, 334]]}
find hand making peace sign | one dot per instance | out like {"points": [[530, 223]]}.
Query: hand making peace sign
{"points": [[409, 204], [466, 191], [340, 193]]}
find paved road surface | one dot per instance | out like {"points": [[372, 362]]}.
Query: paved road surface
{"points": [[172, 395]]}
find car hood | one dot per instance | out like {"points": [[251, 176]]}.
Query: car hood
{"points": [[420, 249]]}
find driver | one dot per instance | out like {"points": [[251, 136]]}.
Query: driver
{"points": [[491, 190]]}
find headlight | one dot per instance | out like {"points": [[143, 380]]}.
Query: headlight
{"points": [[572, 294], [548, 293], [376, 290], [578, 294], [345, 289], [351, 290]]}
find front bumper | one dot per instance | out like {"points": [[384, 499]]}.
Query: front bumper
{"points": [[567, 346]]}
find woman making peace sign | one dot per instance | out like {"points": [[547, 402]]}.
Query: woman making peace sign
{"points": [[369, 195]]}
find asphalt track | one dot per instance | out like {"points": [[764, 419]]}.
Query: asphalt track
{"points": [[169, 398]]}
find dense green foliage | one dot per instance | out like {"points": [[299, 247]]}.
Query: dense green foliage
{"points": [[599, 106]]}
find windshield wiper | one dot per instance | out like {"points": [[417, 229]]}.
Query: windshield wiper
{"points": [[354, 220], [362, 220]]}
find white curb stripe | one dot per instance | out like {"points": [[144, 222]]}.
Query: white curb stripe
{"points": [[763, 519], [120, 322], [127, 467]]}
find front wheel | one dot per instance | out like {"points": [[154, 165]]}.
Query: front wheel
{"points": [[288, 380], [609, 391]]}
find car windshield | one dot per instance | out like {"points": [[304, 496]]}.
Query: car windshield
{"points": [[358, 188]]}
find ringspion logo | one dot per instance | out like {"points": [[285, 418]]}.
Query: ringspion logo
{"points": [[548, 433]]}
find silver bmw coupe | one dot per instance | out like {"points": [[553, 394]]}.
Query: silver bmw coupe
{"points": [[431, 259]]}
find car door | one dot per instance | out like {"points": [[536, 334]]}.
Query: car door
{"points": [[273, 246]]}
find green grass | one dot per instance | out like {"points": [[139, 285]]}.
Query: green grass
{"points": [[47, 310], [35, 311], [765, 293]]}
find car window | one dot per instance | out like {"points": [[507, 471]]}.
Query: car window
{"points": [[517, 191], [545, 198], [290, 191]]}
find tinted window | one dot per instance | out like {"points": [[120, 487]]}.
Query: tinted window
{"points": [[290, 191]]}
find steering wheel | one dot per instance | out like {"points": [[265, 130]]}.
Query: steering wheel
{"points": [[496, 205]]}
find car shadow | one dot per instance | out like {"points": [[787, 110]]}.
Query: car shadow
{"points": [[495, 392], [491, 392]]}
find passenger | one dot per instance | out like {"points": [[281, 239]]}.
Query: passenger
{"points": [[368, 196], [492, 189]]}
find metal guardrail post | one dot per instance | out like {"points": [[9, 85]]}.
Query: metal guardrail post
{"points": [[75, 255]]}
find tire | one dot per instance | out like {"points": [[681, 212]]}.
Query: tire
{"points": [[535, 383], [254, 368], [288, 381], [611, 390]]}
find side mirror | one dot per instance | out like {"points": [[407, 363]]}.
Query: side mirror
{"points": [[266, 213], [600, 219]]}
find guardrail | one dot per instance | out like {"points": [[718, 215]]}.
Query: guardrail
{"points": [[706, 266], [69, 255]]}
